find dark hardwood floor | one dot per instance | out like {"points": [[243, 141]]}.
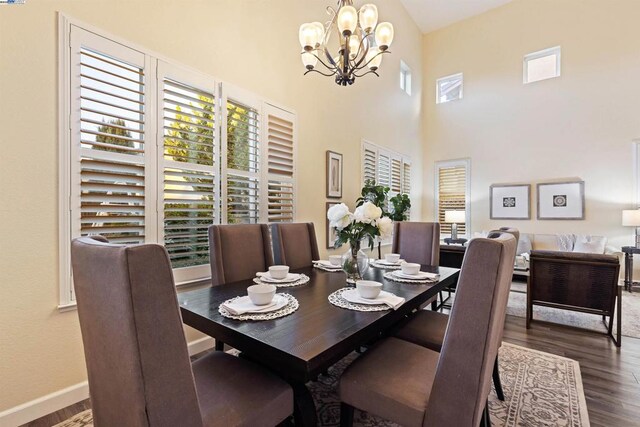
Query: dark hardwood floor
{"points": [[611, 376]]}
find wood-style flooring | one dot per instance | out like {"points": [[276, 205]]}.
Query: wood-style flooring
{"points": [[611, 376]]}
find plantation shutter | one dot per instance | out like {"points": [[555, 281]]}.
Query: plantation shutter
{"points": [[189, 168], [108, 146], [396, 176], [241, 167], [369, 163], [384, 169], [452, 185], [406, 182], [280, 137]]}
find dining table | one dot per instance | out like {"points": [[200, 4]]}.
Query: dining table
{"points": [[305, 343]]}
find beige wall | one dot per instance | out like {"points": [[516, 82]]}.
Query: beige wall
{"points": [[250, 43], [579, 125]]}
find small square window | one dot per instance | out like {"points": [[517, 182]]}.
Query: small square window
{"points": [[405, 78], [542, 65], [449, 88]]}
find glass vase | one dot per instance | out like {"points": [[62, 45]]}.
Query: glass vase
{"points": [[355, 263]]}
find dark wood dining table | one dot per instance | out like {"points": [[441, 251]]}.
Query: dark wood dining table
{"points": [[302, 345]]}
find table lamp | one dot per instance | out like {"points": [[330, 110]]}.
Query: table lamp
{"points": [[631, 218], [454, 218]]}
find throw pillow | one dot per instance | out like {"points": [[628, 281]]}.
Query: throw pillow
{"points": [[590, 244]]}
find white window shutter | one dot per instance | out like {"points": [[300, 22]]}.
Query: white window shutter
{"points": [[452, 185], [396, 175], [241, 160], [189, 167], [281, 133], [108, 142], [384, 169], [369, 162]]}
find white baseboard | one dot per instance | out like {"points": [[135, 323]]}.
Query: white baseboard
{"points": [[57, 400]]}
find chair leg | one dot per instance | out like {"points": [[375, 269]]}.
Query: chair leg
{"points": [[486, 418], [496, 380], [346, 415], [219, 345]]}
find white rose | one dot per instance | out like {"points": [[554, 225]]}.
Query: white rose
{"points": [[367, 213], [339, 216], [385, 226]]}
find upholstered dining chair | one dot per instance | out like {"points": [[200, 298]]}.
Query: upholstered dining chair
{"points": [[415, 386], [238, 251], [294, 244], [427, 328], [136, 353], [417, 242]]}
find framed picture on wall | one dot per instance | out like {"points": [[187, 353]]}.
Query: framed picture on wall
{"points": [[561, 200], [332, 235], [334, 175], [510, 201]]}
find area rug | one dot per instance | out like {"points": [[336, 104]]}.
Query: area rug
{"points": [[630, 312], [541, 389]]}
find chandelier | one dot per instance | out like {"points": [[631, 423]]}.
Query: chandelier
{"points": [[360, 43]]}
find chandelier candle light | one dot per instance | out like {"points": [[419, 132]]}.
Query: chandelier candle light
{"points": [[361, 40]]}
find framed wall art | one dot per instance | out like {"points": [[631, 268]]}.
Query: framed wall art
{"points": [[334, 175], [510, 201], [332, 235], [561, 200]]}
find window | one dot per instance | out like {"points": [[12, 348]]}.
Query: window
{"points": [[405, 78], [155, 153], [449, 88], [386, 168], [542, 65], [452, 186]]}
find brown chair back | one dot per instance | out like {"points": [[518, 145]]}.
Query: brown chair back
{"points": [[417, 242], [294, 245], [238, 251], [574, 280], [463, 376], [135, 349]]}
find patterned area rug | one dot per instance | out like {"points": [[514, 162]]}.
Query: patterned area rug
{"points": [[630, 312], [541, 389]]}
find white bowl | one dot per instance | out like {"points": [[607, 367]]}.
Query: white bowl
{"points": [[279, 271], [410, 268], [261, 294], [368, 288], [392, 257], [335, 259]]}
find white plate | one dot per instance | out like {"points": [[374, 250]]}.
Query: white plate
{"points": [[278, 303], [353, 296], [328, 264], [420, 276], [291, 277]]}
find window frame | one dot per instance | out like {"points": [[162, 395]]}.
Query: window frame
{"points": [[442, 164], [405, 78], [153, 163], [450, 78], [555, 50]]}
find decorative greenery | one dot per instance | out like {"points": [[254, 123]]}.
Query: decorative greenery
{"points": [[400, 206], [376, 194]]}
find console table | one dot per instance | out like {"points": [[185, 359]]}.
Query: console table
{"points": [[628, 266]]}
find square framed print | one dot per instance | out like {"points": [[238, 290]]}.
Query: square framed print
{"points": [[561, 200], [332, 234], [510, 201], [334, 175]]}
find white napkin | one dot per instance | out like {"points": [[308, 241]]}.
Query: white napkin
{"points": [[422, 275], [266, 276], [387, 298], [244, 305], [327, 264]]}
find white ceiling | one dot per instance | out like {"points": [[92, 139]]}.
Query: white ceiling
{"points": [[434, 14]]}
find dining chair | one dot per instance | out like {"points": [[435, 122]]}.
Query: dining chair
{"points": [[415, 386], [294, 244], [238, 251], [428, 328], [417, 242], [136, 354]]}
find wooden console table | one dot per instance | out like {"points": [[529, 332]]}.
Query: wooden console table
{"points": [[628, 266]]}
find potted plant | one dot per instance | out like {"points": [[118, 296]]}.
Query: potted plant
{"points": [[365, 223]]}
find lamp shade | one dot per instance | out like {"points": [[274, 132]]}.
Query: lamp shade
{"points": [[454, 217], [631, 218]]}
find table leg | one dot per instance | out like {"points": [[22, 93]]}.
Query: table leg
{"points": [[628, 268], [304, 410]]}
